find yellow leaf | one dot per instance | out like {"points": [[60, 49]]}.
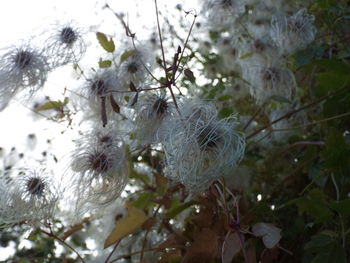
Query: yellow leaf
{"points": [[127, 225]]}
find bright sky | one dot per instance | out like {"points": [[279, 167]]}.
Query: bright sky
{"points": [[21, 19]]}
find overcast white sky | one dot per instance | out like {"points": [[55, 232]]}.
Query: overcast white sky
{"points": [[21, 19]]}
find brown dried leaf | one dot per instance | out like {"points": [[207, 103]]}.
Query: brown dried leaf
{"points": [[127, 225], [103, 111], [132, 87], [189, 74], [114, 104]]}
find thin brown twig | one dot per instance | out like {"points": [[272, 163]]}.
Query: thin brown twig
{"points": [[315, 122], [51, 234], [131, 91], [303, 143], [253, 117], [146, 234], [110, 254], [167, 82], [161, 40], [291, 113], [132, 35], [185, 45]]}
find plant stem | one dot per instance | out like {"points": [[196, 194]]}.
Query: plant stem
{"points": [[63, 242], [291, 113]]}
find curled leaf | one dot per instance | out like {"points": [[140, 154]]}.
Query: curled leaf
{"points": [[114, 104], [270, 234], [189, 74], [103, 111], [133, 220]]}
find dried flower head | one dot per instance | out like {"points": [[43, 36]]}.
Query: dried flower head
{"points": [[22, 68], [259, 20], [65, 44], [199, 147], [228, 49], [101, 96], [291, 33], [222, 14], [133, 66], [100, 168], [270, 80], [152, 110], [30, 196]]}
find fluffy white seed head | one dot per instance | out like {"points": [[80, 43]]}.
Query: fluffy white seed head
{"points": [[269, 80], [291, 33], [22, 68], [228, 49], [133, 65], [99, 168], [65, 44], [199, 147], [259, 20], [29, 196], [99, 93], [222, 14], [152, 110]]}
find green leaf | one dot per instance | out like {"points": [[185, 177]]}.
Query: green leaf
{"points": [[318, 242], [317, 176], [177, 208], [107, 45], [280, 99], [246, 55], [225, 97], [304, 57], [336, 105], [105, 63], [325, 3], [144, 200], [327, 249], [331, 80], [315, 205], [213, 35], [336, 154], [53, 105], [343, 54], [334, 65], [342, 206], [126, 55], [225, 112]]}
